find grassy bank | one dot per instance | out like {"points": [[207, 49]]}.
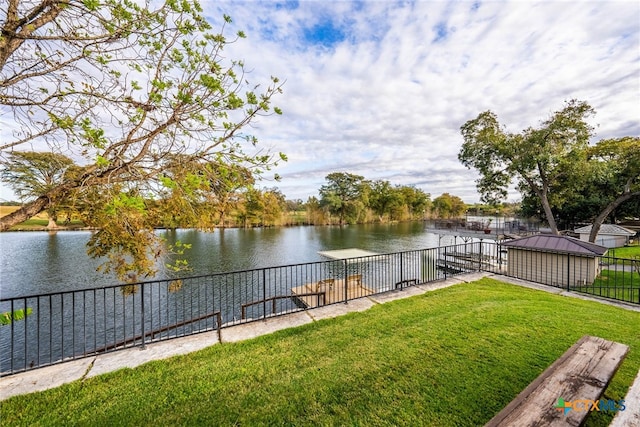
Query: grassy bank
{"points": [[38, 222], [620, 285], [451, 357], [628, 252]]}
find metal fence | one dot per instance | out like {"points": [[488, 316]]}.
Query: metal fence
{"points": [[606, 277], [40, 330]]}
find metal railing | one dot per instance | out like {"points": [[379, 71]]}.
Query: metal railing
{"points": [[606, 277], [516, 227], [40, 330]]}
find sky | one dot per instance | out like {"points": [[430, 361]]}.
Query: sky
{"points": [[381, 88]]}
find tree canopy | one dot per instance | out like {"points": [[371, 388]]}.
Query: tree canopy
{"points": [[448, 206], [616, 177], [537, 158], [554, 166], [30, 174], [343, 194], [123, 89]]}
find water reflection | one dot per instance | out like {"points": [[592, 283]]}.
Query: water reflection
{"points": [[38, 262]]}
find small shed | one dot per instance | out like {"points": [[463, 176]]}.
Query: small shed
{"points": [[609, 235], [559, 261]]}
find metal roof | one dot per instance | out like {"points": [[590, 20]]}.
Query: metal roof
{"points": [[554, 243], [610, 229], [346, 253]]}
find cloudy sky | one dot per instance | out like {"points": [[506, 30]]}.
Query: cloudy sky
{"points": [[381, 88]]}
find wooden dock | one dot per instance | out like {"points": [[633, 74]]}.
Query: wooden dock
{"points": [[329, 291]]}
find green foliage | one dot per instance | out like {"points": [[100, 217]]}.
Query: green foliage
{"points": [[341, 195], [9, 317], [541, 160], [32, 173], [609, 174], [148, 98], [385, 199], [448, 206]]}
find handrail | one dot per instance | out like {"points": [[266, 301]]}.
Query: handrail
{"points": [[151, 334], [274, 299]]}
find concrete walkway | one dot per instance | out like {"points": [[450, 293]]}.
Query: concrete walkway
{"points": [[630, 417], [56, 375]]}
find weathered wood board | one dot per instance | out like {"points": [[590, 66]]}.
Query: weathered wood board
{"points": [[579, 377]]}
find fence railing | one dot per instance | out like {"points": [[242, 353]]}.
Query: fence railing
{"points": [[606, 277], [516, 227], [40, 330]]}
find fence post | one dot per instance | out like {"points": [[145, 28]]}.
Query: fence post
{"points": [[480, 257], [401, 267], [346, 281], [445, 263], [264, 293], [568, 271], [142, 318]]}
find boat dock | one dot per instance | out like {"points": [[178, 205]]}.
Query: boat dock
{"points": [[330, 291]]}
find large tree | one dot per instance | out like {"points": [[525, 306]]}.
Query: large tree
{"points": [[607, 186], [537, 158], [31, 174], [200, 194], [617, 172], [416, 200], [344, 194], [118, 86], [449, 206], [384, 199]]}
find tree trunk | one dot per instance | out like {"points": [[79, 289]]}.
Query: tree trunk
{"points": [[548, 213], [24, 213], [52, 223], [595, 228]]}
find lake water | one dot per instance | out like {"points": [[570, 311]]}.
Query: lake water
{"points": [[40, 262]]}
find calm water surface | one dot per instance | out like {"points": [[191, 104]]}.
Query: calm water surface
{"points": [[41, 262]]}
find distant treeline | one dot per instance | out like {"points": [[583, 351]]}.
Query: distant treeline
{"points": [[344, 199]]}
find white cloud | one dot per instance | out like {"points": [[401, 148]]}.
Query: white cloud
{"points": [[388, 100]]}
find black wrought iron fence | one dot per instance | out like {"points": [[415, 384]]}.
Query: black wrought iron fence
{"points": [[39, 330], [607, 277], [617, 278]]}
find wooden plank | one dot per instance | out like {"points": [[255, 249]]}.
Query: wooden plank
{"points": [[333, 294], [582, 374]]}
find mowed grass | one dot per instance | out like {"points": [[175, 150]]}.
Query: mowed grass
{"points": [[453, 357], [619, 285], [628, 252]]}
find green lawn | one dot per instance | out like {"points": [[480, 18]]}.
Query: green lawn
{"points": [[620, 285], [625, 252], [452, 357]]}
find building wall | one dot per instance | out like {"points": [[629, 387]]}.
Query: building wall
{"points": [[551, 268], [606, 240]]}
